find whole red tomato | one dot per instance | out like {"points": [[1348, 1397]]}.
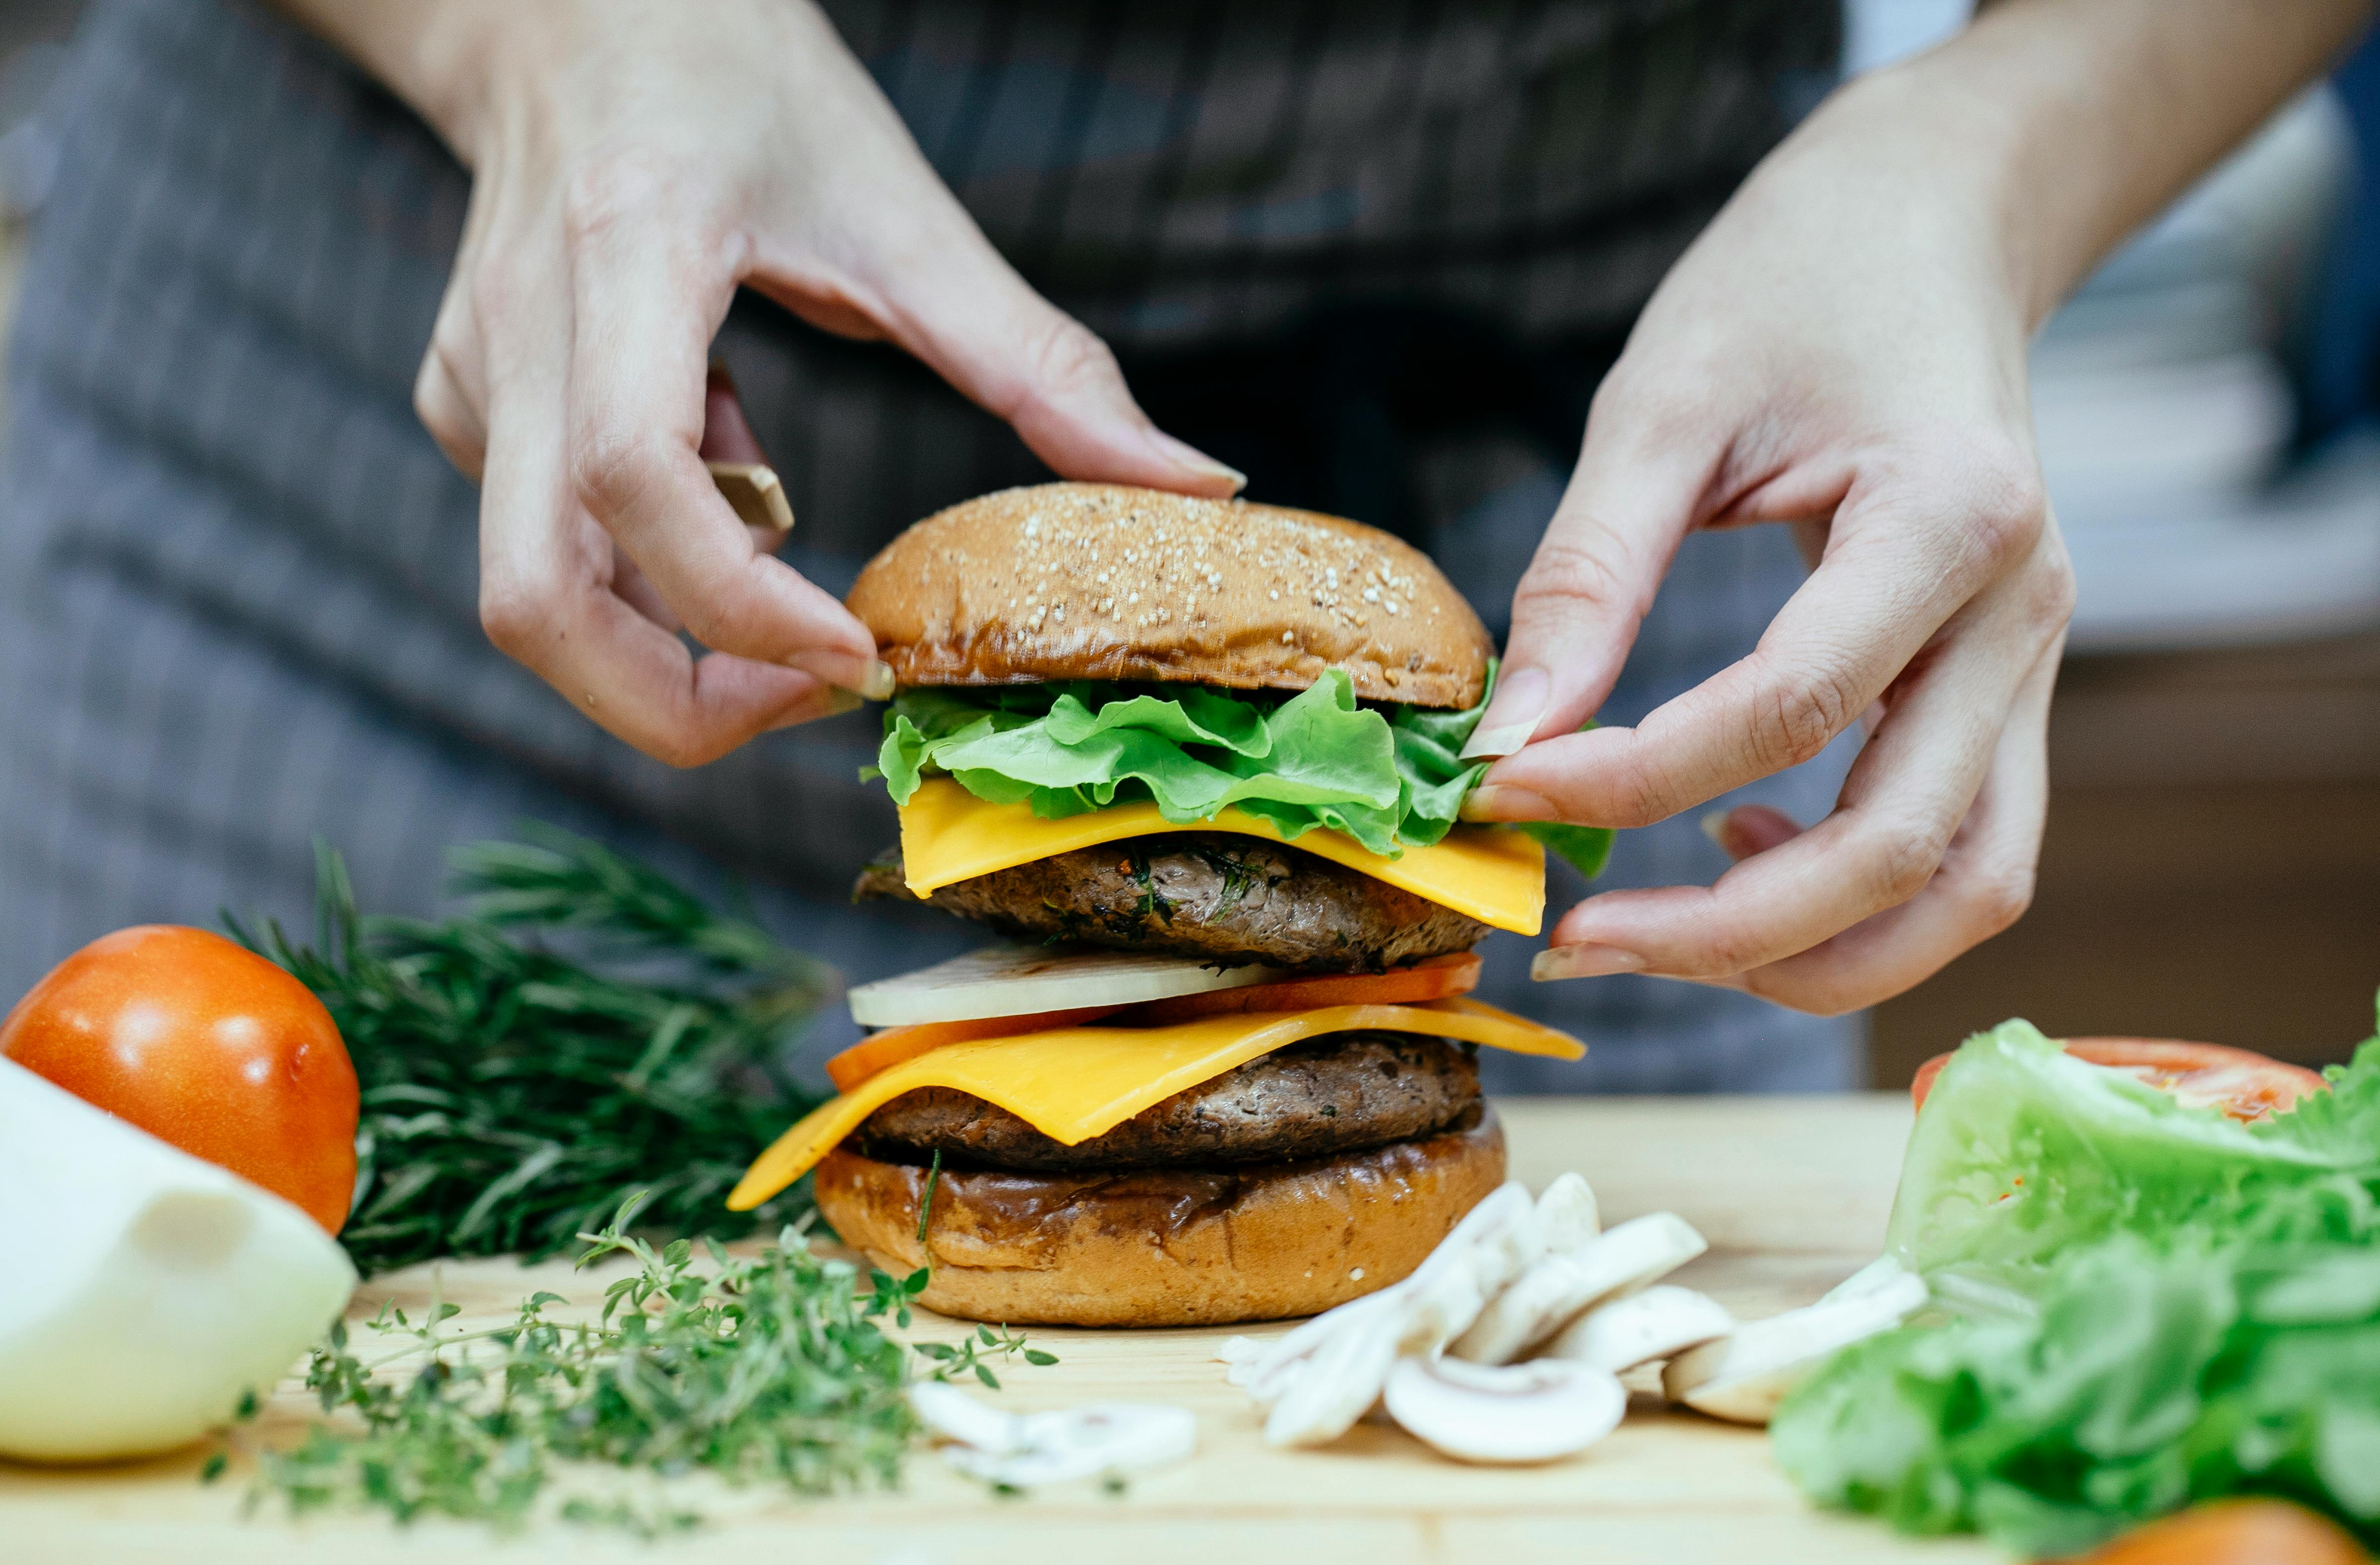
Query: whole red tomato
{"points": [[204, 1044]]}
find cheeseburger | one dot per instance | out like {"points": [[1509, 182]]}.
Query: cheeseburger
{"points": [[1198, 763]]}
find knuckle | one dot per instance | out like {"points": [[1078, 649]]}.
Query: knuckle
{"points": [[723, 622], [1568, 572], [514, 616], [2049, 591], [2000, 899], [1730, 953], [2007, 504], [611, 470], [1066, 356], [1644, 796], [1801, 716], [1903, 858]]}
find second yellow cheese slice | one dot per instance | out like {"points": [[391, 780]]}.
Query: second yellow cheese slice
{"points": [[1075, 1083]]}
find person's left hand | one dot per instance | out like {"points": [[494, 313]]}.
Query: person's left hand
{"points": [[1843, 350]]}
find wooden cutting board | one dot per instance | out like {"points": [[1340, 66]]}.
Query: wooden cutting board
{"points": [[1791, 1191]]}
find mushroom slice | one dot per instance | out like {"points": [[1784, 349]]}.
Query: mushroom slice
{"points": [[1552, 1293], [1333, 1386], [1026, 1450], [1518, 1413], [1661, 1322], [1322, 1377], [1567, 1214], [1744, 1375]]}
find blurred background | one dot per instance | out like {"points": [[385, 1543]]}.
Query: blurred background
{"points": [[2206, 413]]}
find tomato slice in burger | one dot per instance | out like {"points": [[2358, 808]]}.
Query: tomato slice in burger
{"points": [[2243, 1083], [1440, 977]]}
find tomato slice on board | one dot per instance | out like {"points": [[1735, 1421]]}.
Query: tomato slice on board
{"points": [[2243, 1083], [1440, 977]]}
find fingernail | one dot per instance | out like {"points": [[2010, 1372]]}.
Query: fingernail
{"points": [[1512, 717], [1583, 962], [1714, 826], [1501, 801], [874, 680], [1185, 454], [841, 701]]}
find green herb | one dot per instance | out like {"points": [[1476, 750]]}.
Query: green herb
{"points": [[2151, 1304], [1390, 776], [926, 1206], [1152, 904], [514, 1095], [1239, 877], [771, 1369]]}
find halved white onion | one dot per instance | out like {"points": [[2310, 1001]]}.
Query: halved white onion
{"points": [[1018, 980], [148, 1290]]}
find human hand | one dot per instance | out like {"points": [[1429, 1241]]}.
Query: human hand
{"points": [[631, 168], [1840, 350]]}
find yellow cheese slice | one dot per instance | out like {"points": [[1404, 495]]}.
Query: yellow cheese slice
{"points": [[948, 835], [1075, 1083]]}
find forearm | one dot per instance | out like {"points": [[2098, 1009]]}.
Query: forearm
{"points": [[427, 52], [2068, 123]]}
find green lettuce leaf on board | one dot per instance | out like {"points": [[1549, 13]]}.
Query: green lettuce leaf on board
{"points": [[2024, 1154], [1391, 777], [2142, 1306]]}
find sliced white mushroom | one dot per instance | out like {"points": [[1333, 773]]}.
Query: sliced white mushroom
{"points": [[1028, 1449], [1567, 1214], [1661, 1322], [1267, 1373], [1883, 1273], [1017, 980], [1334, 1386], [1744, 1375], [952, 1415], [1556, 1290], [1535, 1411], [1322, 1377]]}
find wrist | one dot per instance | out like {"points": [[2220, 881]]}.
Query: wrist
{"points": [[444, 58]]}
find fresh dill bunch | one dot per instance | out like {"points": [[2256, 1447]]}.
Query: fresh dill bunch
{"points": [[771, 1369], [514, 1095]]}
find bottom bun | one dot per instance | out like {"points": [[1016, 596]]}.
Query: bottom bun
{"points": [[1166, 1246]]}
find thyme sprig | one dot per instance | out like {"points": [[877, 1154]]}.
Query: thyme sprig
{"points": [[767, 1369], [513, 1093]]}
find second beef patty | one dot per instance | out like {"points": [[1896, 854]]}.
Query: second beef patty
{"points": [[1202, 893], [1332, 1095]]}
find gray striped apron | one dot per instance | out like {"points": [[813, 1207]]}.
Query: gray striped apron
{"points": [[1375, 256]]}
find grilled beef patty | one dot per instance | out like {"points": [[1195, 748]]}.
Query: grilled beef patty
{"points": [[1206, 894], [1338, 1094]]}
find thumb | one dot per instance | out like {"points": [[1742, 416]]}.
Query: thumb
{"points": [[1577, 607]]}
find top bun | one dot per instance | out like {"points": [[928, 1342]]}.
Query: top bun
{"points": [[1103, 581]]}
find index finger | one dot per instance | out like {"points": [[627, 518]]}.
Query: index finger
{"points": [[649, 291], [547, 600]]}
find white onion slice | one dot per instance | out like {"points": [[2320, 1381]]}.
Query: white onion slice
{"points": [[1018, 980]]}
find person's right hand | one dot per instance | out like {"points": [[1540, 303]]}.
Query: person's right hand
{"points": [[634, 163]]}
